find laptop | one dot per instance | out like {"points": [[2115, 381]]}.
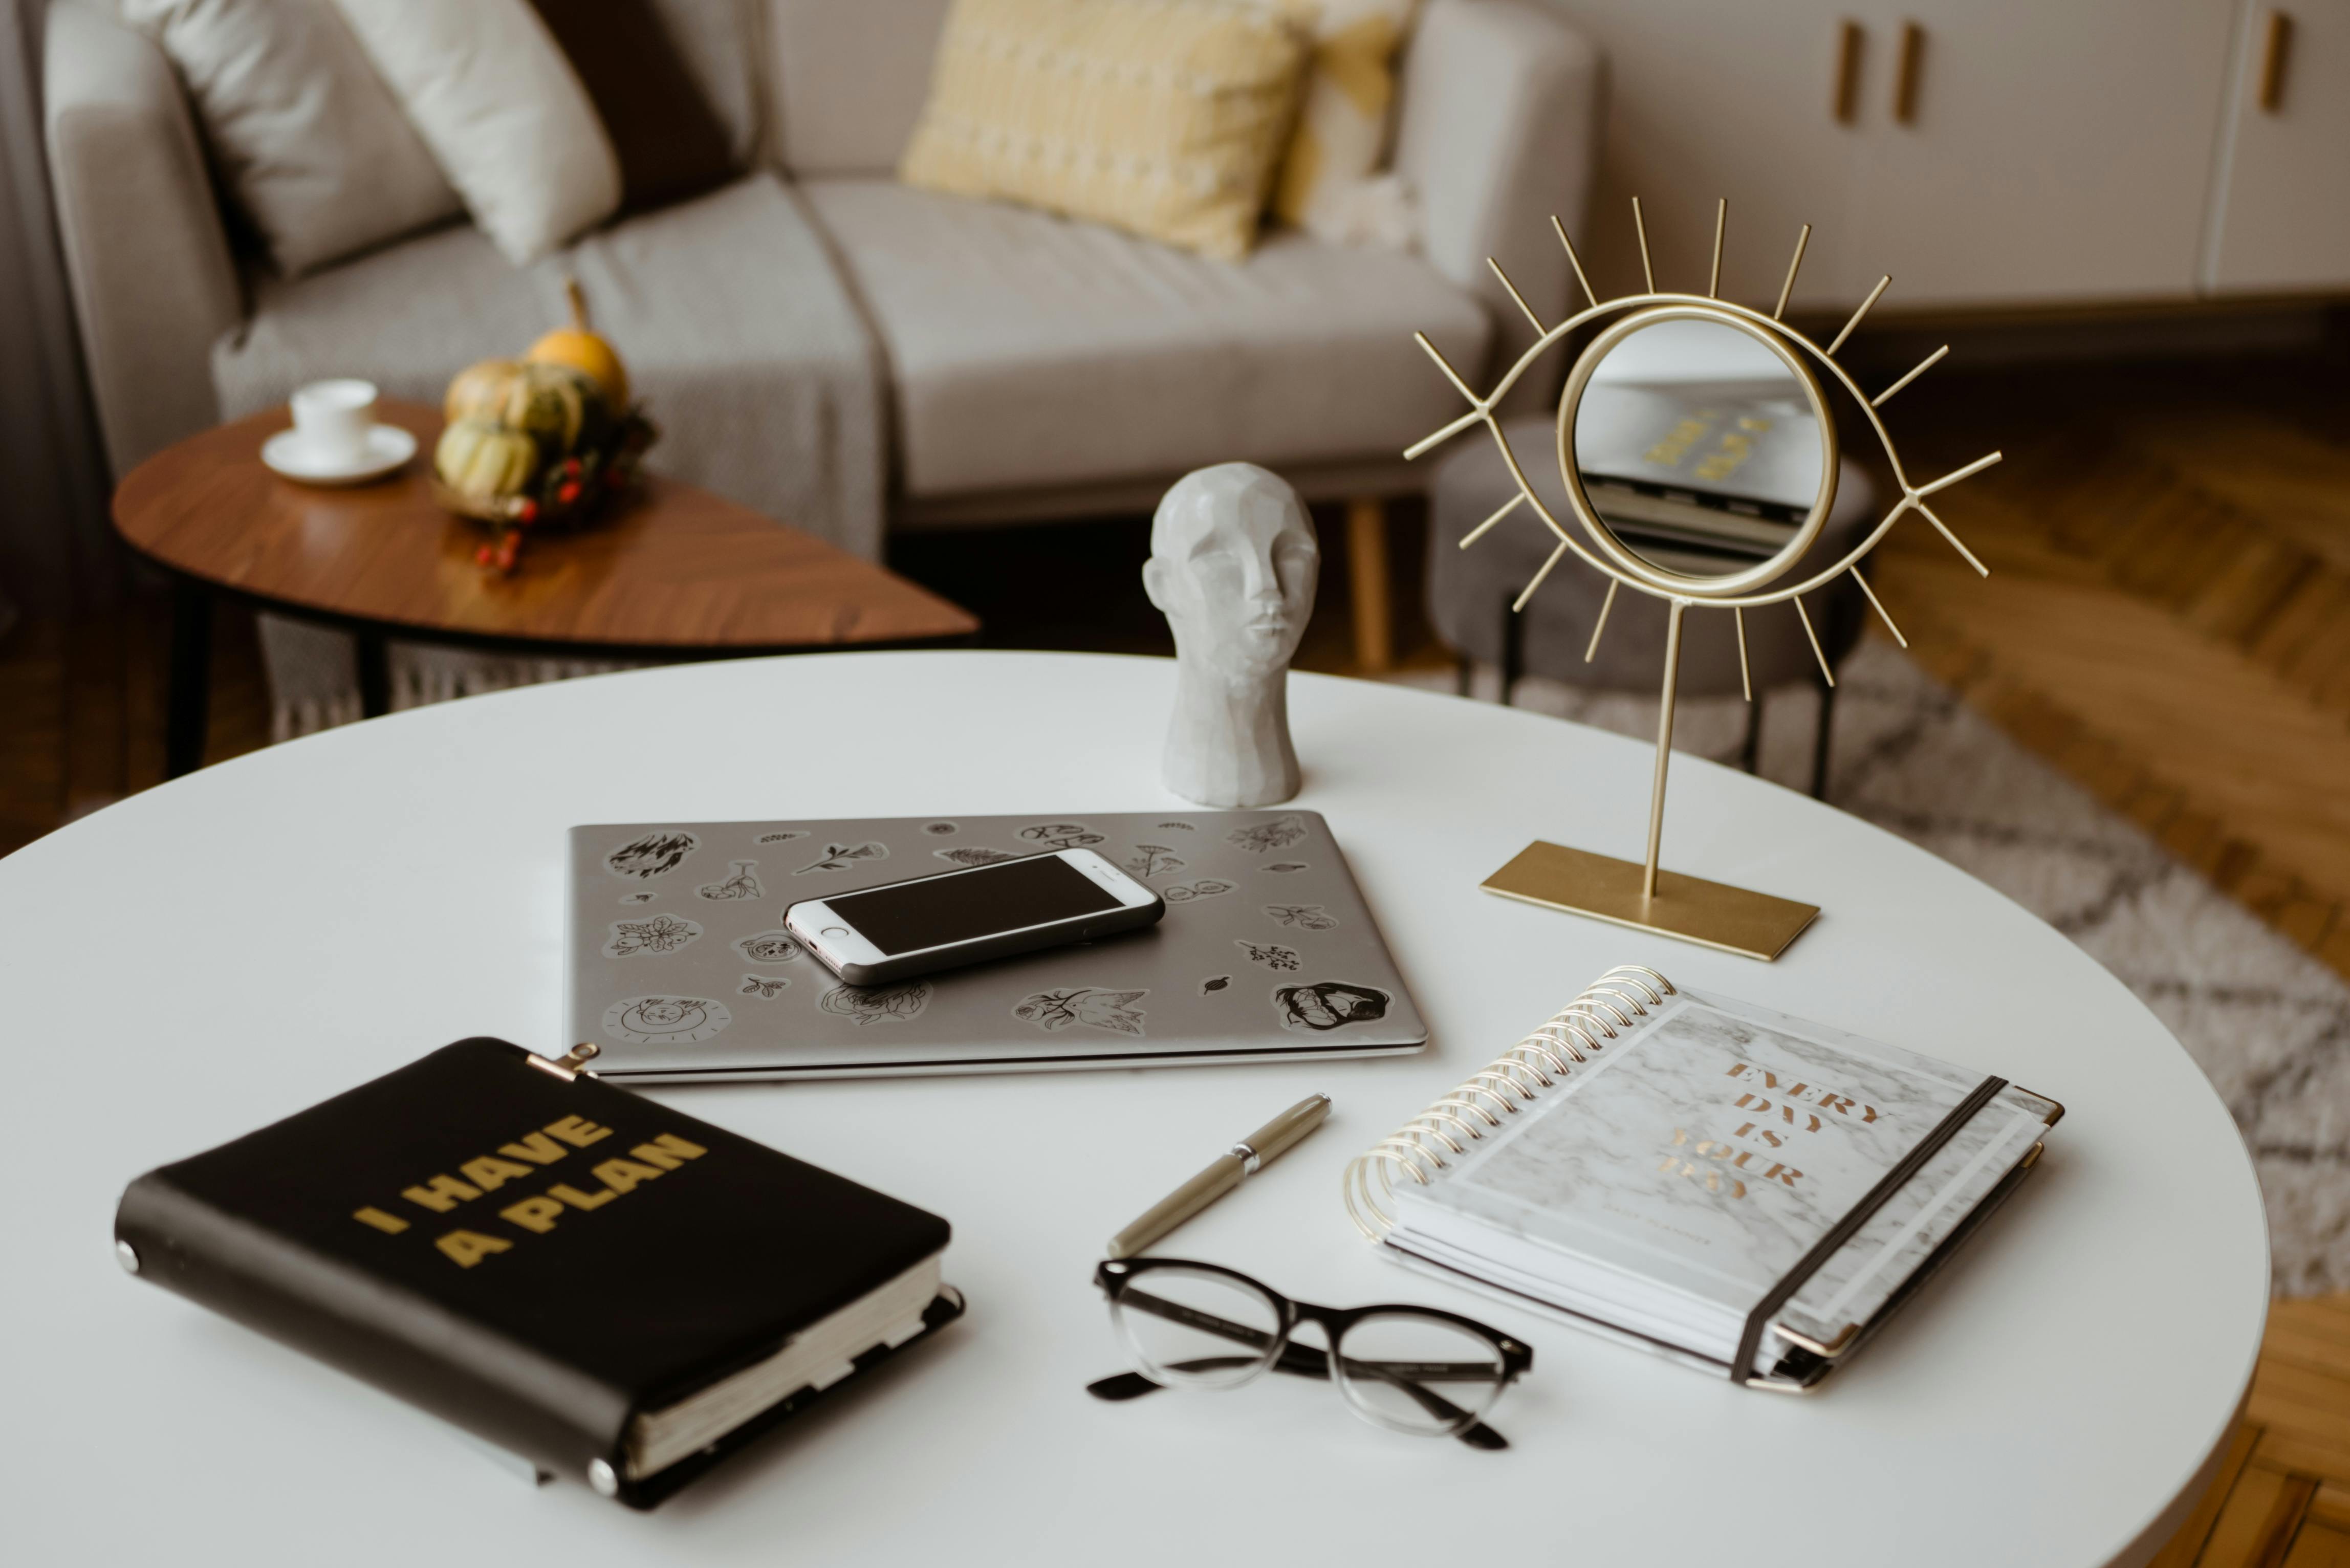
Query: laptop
{"points": [[680, 970]]}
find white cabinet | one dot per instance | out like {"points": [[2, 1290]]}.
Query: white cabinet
{"points": [[1984, 153], [2053, 152], [1707, 99], [2281, 206]]}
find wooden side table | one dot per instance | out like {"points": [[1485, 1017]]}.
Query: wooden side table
{"points": [[675, 574]]}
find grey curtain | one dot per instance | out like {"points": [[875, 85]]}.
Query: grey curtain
{"points": [[57, 551]]}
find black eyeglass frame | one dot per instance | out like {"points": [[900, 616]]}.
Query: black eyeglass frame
{"points": [[1115, 1275]]}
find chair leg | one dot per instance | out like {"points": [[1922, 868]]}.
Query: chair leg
{"points": [[1750, 755], [1366, 554], [1820, 743], [1513, 650]]}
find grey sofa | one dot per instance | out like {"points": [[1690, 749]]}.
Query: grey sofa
{"points": [[959, 362]]}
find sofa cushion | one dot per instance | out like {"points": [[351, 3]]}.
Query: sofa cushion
{"points": [[311, 143], [1032, 350], [1165, 121], [738, 334]]}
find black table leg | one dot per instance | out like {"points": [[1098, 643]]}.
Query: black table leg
{"points": [[375, 676], [1513, 647], [1821, 742], [187, 708]]}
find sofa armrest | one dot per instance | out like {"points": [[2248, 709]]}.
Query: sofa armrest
{"points": [[153, 282], [1499, 130]]}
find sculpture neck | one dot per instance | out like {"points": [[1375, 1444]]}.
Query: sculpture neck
{"points": [[1228, 743]]}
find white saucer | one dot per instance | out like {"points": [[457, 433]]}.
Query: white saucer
{"points": [[388, 446]]}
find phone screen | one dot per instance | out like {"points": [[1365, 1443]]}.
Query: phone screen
{"points": [[932, 912]]}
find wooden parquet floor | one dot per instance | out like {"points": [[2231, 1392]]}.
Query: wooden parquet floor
{"points": [[2167, 614]]}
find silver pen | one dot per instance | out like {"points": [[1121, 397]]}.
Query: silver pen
{"points": [[1243, 1160]]}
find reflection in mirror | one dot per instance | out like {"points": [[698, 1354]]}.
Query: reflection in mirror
{"points": [[1699, 448]]}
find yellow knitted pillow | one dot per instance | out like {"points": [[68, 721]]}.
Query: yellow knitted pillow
{"points": [[1164, 117], [1330, 185]]}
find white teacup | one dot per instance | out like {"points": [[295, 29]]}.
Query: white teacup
{"points": [[334, 418]]}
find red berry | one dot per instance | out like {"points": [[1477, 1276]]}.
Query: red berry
{"points": [[529, 511], [568, 494], [484, 555]]}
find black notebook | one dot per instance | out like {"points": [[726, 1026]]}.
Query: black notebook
{"points": [[608, 1288]]}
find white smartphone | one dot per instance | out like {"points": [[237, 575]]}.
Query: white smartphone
{"points": [[930, 923]]}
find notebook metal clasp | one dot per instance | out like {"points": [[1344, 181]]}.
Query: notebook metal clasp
{"points": [[571, 1063]]}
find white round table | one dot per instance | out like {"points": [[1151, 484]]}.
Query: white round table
{"points": [[230, 948]]}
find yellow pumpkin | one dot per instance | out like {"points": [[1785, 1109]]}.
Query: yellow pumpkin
{"points": [[581, 349], [480, 392], [483, 461]]}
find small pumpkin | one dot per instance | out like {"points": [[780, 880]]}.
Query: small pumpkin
{"points": [[552, 404], [483, 461], [580, 348], [480, 392]]}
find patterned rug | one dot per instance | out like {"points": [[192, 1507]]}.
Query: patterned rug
{"points": [[2268, 1024]]}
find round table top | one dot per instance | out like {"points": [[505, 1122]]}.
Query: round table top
{"points": [[234, 946], [672, 569]]}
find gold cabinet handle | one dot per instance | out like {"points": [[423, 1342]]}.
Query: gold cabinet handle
{"points": [[1905, 78], [2275, 51], [1845, 104]]}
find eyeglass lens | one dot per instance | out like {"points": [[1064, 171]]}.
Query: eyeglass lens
{"points": [[1417, 1374], [1195, 1328]]}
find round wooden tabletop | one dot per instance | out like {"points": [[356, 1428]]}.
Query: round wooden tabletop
{"points": [[673, 569]]}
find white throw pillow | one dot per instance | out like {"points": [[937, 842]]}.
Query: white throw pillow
{"points": [[487, 87], [1331, 183], [311, 144]]}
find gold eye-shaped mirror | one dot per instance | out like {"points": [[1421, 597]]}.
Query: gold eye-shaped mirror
{"points": [[1699, 454]]}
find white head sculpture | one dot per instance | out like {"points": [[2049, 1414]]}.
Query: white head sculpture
{"points": [[1233, 567]]}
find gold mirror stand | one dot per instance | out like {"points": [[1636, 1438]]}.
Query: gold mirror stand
{"points": [[1639, 894]]}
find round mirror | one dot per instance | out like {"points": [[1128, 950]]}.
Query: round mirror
{"points": [[1698, 449]]}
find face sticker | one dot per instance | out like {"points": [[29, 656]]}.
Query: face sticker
{"points": [[742, 883], [1279, 834], [1054, 1010], [972, 855], [1210, 987], [864, 1004], [1282, 868], [1060, 835], [1205, 888], [659, 934], [1150, 860], [762, 987], [1327, 1004], [1305, 917], [785, 837], [666, 1019], [1273, 955], [769, 947], [940, 828], [841, 856], [654, 855], [636, 898]]}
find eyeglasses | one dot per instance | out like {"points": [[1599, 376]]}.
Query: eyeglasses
{"points": [[1410, 1370]]}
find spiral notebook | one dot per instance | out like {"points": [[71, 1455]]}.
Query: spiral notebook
{"points": [[1742, 1192]]}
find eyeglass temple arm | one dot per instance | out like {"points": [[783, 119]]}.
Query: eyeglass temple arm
{"points": [[1299, 1362]]}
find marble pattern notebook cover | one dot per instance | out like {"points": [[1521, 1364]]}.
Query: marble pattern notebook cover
{"points": [[679, 967], [1722, 1177]]}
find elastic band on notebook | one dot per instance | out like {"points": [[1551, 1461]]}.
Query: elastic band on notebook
{"points": [[1842, 1230]]}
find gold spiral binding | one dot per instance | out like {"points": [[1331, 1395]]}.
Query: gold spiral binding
{"points": [[1568, 1038]]}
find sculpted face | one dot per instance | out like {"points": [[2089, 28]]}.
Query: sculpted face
{"points": [[1233, 567]]}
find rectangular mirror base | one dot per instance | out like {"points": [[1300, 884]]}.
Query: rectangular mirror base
{"points": [[1689, 908]]}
